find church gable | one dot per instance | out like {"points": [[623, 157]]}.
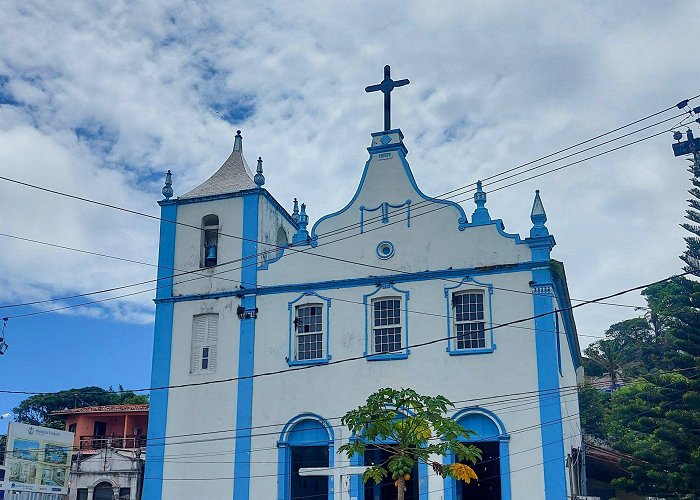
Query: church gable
{"points": [[387, 192], [391, 223]]}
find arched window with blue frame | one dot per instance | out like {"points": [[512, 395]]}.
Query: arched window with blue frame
{"points": [[305, 441], [493, 469]]}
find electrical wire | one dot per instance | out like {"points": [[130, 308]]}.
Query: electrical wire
{"points": [[563, 438], [537, 396], [269, 244], [458, 191], [411, 311], [295, 250], [365, 356], [201, 275]]}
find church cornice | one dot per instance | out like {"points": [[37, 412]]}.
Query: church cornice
{"points": [[357, 282], [238, 194]]}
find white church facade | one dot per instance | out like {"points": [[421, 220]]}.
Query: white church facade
{"points": [[267, 332]]}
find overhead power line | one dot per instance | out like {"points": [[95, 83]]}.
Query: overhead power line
{"points": [[365, 356], [529, 397], [295, 250], [464, 189], [198, 271], [533, 427]]}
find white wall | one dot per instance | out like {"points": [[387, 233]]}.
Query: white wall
{"points": [[432, 242], [188, 241]]}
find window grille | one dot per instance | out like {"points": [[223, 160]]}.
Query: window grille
{"points": [[469, 320], [205, 333], [309, 332], [386, 329]]}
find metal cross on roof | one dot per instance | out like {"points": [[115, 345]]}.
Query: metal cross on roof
{"points": [[386, 87]]}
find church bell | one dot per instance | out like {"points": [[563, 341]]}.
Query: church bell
{"points": [[211, 255]]}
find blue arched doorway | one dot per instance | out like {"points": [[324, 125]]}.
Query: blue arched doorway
{"points": [[306, 441], [494, 467]]}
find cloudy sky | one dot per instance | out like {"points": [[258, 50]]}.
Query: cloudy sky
{"points": [[98, 99]]}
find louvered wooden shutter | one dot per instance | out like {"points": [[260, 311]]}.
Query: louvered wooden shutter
{"points": [[199, 337], [205, 332], [212, 339]]}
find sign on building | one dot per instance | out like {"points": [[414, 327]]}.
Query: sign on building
{"points": [[38, 459]]}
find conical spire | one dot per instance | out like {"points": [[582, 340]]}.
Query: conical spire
{"points": [[233, 176], [538, 217]]}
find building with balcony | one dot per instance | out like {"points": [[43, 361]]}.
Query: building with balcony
{"points": [[109, 451]]}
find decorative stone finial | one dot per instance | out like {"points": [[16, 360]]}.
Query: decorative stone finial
{"points": [[238, 142], [302, 235], [481, 214], [538, 217], [295, 213], [259, 178], [168, 188]]}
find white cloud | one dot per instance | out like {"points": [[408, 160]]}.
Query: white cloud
{"points": [[492, 86]]}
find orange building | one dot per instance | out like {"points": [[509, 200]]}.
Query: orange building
{"points": [[113, 426]]}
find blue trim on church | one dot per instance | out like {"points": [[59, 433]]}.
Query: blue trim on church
{"points": [[246, 355], [385, 213], [551, 429], [314, 236], [567, 317], [291, 361], [162, 345], [306, 436], [266, 264], [359, 282], [448, 291], [402, 354], [461, 222], [500, 227], [401, 150], [240, 194], [488, 428]]}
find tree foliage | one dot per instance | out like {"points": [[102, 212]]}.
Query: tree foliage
{"points": [[691, 256], [629, 349], [37, 409], [417, 427], [656, 418], [593, 404]]}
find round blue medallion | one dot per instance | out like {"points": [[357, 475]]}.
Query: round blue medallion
{"points": [[385, 250]]}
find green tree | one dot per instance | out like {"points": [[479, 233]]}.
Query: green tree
{"points": [[630, 348], [691, 256], [593, 404], [37, 409], [418, 427], [657, 420], [607, 355]]}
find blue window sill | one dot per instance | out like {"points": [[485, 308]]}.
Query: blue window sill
{"points": [[389, 357], [464, 352], [306, 362]]}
